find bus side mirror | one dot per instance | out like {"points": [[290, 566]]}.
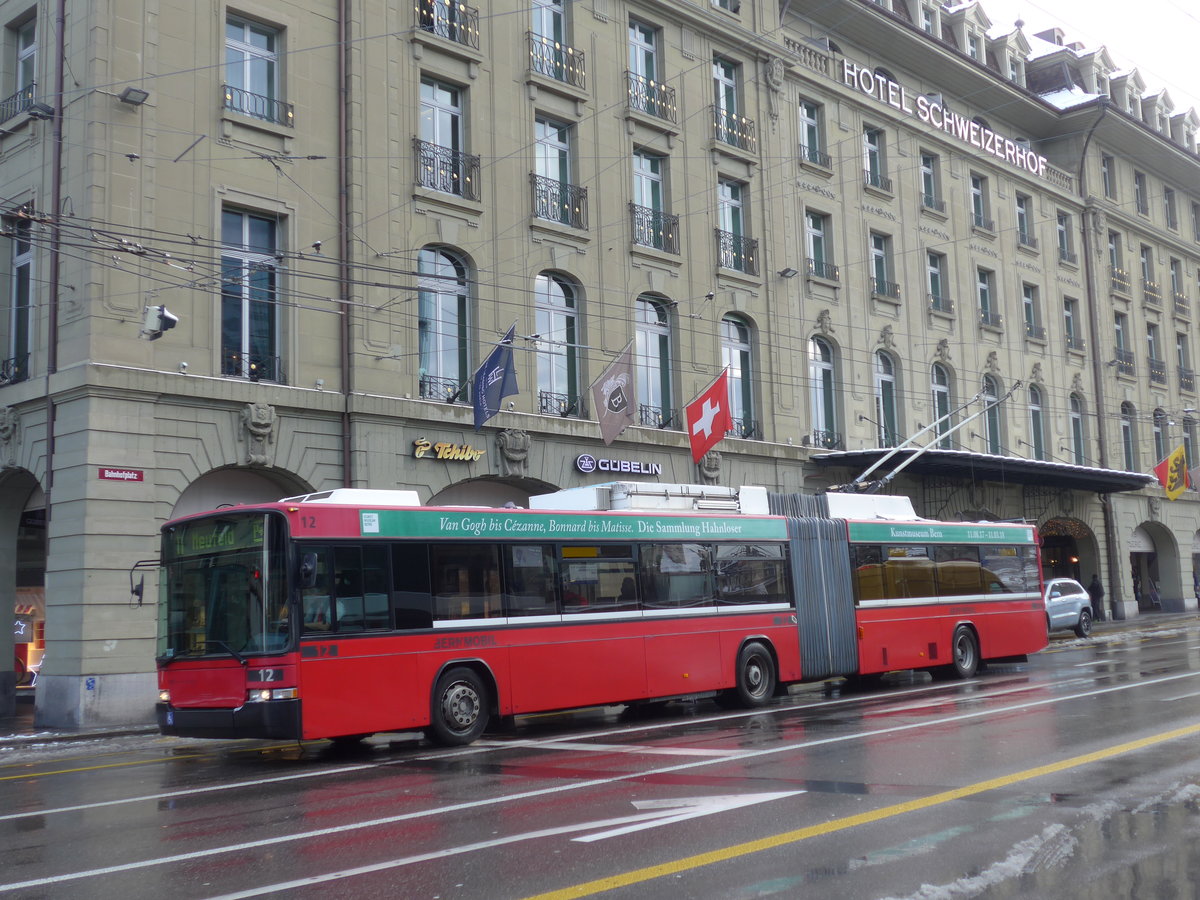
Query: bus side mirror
{"points": [[308, 570], [136, 591]]}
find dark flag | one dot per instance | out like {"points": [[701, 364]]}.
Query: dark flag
{"points": [[612, 394], [495, 380]]}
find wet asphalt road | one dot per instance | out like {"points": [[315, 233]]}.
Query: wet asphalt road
{"points": [[1075, 775]]}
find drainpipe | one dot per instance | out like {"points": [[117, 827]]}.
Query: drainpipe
{"points": [[344, 172], [53, 281], [1098, 374]]}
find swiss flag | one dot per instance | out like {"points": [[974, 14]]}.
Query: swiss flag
{"points": [[708, 417]]}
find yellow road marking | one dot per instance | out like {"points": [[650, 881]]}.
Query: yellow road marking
{"points": [[687, 863]]}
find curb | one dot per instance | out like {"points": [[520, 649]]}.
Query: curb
{"points": [[10, 741]]}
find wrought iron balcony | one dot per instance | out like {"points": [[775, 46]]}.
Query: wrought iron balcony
{"points": [[654, 228], [816, 157], [990, 319], [940, 303], [1025, 239], [822, 269], [737, 252], [737, 131], [983, 222], [1183, 306], [1067, 256], [451, 390], [17, 103], [449, 171], [1118, 279], [1158, 370], [929, 201], [14, 369], [258, 106], [744, 428], [1037, 332], [454, 21], [651, 97], [882, 288], [1151, 292], [254, 366], [556, 60], [562, 405], [655, 416], [826, 440], [1076, 342], [877, 180], [1126, 365], [1187, 380], [559, 202]]}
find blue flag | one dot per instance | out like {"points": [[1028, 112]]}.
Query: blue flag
{"points": [[495, 380]]}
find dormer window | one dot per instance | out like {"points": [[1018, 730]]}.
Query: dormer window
{"points": [[973, 46]]}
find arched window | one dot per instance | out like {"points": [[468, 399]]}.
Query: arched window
{"points": [[991, 417], [824, 406], [558, 345], [737, 358], [1037, 424], [1129, 436], [1076, 416], [939, 383], [653, 362], [1160, 435], [885, 400], [442, 324]]}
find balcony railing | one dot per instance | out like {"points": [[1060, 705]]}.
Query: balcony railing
{"points": [[991, 319], [816, 157], [454, 21], [18, 102], [655, 416], [1183, 306], [654, 228], [737, 252], [556, 60], [882, 288], [940, 303], [1025, 239], [651, 97], [14, 369], [983, 222], [258, 106], [551, 403], [451, 390], [1126, 365], [877, 180], [1151, 292], [1187, 380], [255, 367], [744, 428], [1076, 343], [1067, 256], [821, 269], [1158, 370], [449, 171], [559, 202], [1037, 332], [1118, 279], [737, 131], [826, 440], [931, 202]]}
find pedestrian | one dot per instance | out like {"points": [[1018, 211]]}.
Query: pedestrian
{"points": [[1096, 593]]}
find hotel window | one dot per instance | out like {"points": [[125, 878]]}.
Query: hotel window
{"points": [[985, 287], [731, 127], [931, 189], [442, 323], [652, 227], [882, 282], [1077, 436], [1177, 279], [442, 164], [1115, 256], [1025, 222], [812, 138], [973, 46], [939, 383], [1108, 176], [1029, 307], [1160, 435], [979, 203], [1071, 323], [643, 51], [1121, 344], [1196, 221], [1037, 425], [939, 298], [16, 366], [1063, 230], [653, 362], [1141, 198], [822, 378], [929, 19], [875, 159], [549, 52], [817, 246], [737, 360], [885, 400], [250, 320], [991, 415], [22, 38], [1129, 436], [1169, 210], [252, 71], [557, 327], [734, 249], [555, 197]]}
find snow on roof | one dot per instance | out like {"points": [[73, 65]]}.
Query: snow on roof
{"points": [[1069, 98]]}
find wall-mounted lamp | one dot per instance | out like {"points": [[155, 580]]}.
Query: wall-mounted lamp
{"points": [[789, 272], [134, 96], [320, 384], [183, 368], [40, 111]]}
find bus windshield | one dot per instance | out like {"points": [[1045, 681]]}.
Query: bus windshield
{"points": [[223, 590]]}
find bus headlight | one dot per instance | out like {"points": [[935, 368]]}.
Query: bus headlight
{"points": [[264, 695], [164, 696]]}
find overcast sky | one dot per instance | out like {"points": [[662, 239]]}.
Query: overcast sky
{"points": [[1157, 37]]}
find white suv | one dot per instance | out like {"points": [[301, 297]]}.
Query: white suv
{"points": [[1068, 606]]}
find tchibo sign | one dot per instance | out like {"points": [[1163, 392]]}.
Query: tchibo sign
{"points": [[936, 114]]}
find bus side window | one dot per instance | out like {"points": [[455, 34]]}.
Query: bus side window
{"points": [[868, 572], [375, 587], [530, 580], [412, 598], [315, 599], [465, 580], [347, 580]]}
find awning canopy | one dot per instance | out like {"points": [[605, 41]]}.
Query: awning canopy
{"points": [[985, 467]]}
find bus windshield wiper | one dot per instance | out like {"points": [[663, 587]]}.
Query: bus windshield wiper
{"points": [[228, 649]]}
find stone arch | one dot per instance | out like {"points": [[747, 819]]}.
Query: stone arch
{"points": [[1069, 549], [234, 485], [22, 573], [491, 491], [1154, 568]]}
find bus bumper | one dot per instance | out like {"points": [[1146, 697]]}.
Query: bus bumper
{"points": [[277, 719]]}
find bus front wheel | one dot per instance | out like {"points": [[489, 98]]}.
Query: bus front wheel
{"points": [[755, 677], [460, 712]]}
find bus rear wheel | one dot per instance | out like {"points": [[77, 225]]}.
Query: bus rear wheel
{"points": [[965, 650], [459, 712], [755, 678]]}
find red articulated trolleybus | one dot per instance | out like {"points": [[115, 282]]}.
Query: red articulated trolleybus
{"points": [[350, 612]]}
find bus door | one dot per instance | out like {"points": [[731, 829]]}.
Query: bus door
{"points": [[824, 597]]}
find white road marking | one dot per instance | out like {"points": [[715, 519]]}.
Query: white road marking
{"points": [[693, 808], [623, 748], [343, 829]]}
